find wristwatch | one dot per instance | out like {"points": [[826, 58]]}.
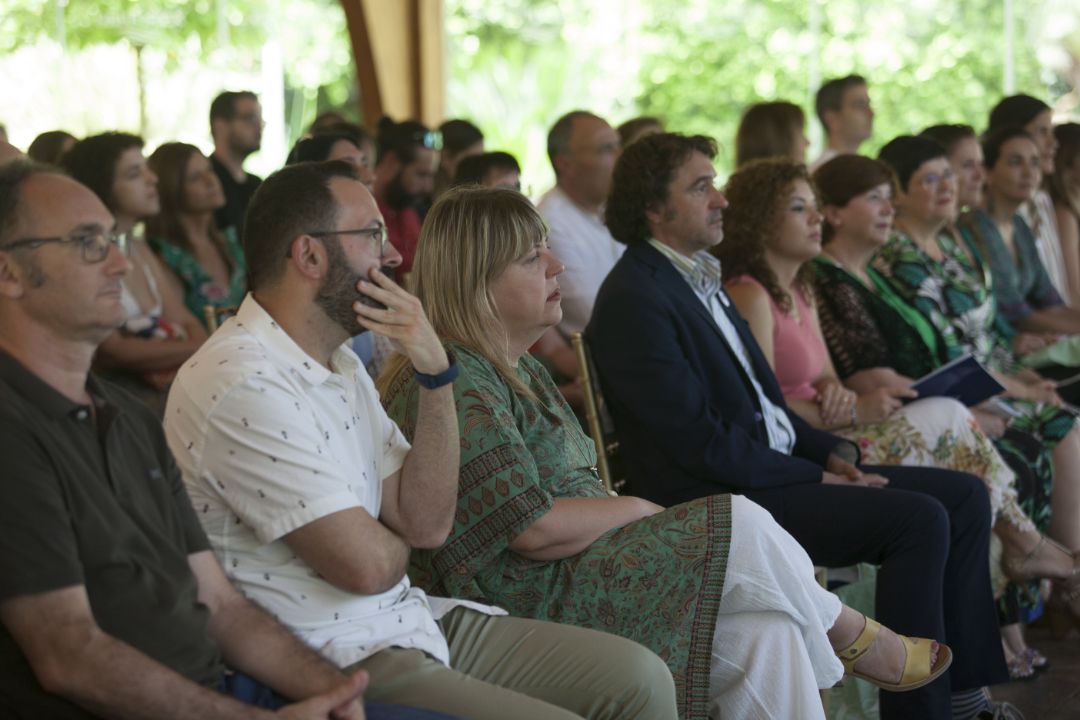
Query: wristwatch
{"points": [[433, 382]]}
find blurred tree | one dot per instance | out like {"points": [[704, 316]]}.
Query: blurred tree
{"points": [[229, 33], [515, 66], [926, 62]]}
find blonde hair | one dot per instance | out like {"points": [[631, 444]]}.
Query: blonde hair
{"points": [[469, 237]]}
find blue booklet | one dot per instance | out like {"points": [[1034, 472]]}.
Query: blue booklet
{"points": [[964, 379]]}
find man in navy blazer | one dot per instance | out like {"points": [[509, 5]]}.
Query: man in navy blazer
{"points": [[698, 411]]}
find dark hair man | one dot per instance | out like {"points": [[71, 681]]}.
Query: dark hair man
{"points": [[699, 411], [404, 180], [490, 169], [313, 498], [236, 124], [843, 107], [111, 602]]}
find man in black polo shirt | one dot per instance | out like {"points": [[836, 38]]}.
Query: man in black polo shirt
{"points": [[111, 601], [236, 124]]}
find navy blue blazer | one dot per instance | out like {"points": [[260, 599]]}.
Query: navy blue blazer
{"points": [[688, 420]]}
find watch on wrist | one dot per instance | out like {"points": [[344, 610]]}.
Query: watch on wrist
{"points": [[434, 382]]}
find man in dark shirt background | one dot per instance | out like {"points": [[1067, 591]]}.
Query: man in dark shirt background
{"points": [[236, 125], [112, 603]]}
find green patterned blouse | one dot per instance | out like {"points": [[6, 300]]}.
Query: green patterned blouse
{"points": [[200, 289], [953, 294], [657, 581]]}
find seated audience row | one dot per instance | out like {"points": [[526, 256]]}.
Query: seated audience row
{"points": [[853, 282]]}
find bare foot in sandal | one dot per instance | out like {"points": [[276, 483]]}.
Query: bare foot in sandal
{"points": [[877, 654]]}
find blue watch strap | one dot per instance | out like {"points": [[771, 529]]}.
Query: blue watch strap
{"points": [[432, 382]]}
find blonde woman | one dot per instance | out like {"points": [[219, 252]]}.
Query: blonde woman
{"points": [[714, 585]]}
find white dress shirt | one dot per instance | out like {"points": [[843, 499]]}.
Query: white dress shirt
{"points": [[582, 242], [268, 440]]}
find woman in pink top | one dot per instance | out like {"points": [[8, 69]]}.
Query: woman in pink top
{"points": [[799, 357], [772, 229]]}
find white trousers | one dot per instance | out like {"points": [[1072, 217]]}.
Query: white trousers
{"points": [[770, 653]]}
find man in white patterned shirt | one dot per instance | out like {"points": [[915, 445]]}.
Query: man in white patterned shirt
{"points": [[312, 498]]}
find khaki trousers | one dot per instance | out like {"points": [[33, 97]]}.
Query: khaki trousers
{"points": [[507, 667]]}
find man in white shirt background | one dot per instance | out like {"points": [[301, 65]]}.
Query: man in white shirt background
{"points": [[583, 149]]}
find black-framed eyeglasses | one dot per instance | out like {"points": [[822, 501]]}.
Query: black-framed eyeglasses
{"points": [[93, 245], [377, 233]]}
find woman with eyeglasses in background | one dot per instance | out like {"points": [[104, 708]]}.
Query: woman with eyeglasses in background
{"points": [[209, 261], [929, 269], [158, 333]]}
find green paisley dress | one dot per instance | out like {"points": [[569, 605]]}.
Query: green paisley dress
{"points": [[955, 295], [657, 581]]}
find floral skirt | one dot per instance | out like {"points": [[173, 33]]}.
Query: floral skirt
{"points": [[942, 433]]}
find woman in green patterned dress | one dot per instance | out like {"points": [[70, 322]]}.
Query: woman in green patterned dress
{"points": [[873, 333], [936, 274], [714, 586], [209, 261]]}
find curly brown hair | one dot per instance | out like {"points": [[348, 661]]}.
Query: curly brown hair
{"points": [[757, 194], [642, 181]]}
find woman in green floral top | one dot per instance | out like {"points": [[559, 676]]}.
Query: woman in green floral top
{"points": [[209, 262], [937, 275], [707, 585]]}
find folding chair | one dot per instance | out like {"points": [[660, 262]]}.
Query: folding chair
{"points": [[607, 445]]}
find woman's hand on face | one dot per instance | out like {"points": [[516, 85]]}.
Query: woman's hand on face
{"points": [[879, 404], [835, 402]]}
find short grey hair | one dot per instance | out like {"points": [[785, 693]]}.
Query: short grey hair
{"points": [[12, 176], [558, 140]]}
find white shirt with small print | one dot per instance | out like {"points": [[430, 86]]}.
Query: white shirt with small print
{"points": [[268, 440], [583, 243]]}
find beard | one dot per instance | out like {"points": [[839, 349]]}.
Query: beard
{"points": [[338, 291], [243, 149], [398, 197]]}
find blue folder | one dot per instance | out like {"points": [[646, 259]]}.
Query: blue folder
{"points": [[964, 379]]}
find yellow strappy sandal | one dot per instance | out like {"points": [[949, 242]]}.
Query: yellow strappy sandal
{"points": [[917, 670]]}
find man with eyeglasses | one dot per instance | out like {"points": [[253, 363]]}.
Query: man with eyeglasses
{"points": [[111, 601], [843, 107], [313, 498], [406, 161], [236, 124]]}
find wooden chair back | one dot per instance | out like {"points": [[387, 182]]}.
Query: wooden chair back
{"points": [[607, 445], [214, 315]]}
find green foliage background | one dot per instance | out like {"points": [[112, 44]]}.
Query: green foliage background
{"points": [[516, 65]]}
